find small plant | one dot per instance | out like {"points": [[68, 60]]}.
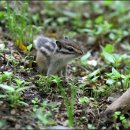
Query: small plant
{"points": [[112, 58], [91, 127], [69, 103], [44, 83], [44, 116], [16, 25], [44, 113], [119, 116], [116, 61], [102, 90], [118, 79], [12, 92], [6, 76], [35, 103], [2, 123], [84, 59], [19, 24], [84, 100]]}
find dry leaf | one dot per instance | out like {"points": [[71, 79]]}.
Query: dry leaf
{"points": [[21, 45]]}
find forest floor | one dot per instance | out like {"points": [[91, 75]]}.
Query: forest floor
{"points": [[29, 100]]}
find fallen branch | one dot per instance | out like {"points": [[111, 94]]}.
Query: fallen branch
{"points": [[122, 103]]}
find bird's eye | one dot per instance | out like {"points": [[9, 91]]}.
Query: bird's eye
{"points": [[70, 49]]}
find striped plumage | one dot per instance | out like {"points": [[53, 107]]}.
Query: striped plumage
{"points": [[52, 57]]}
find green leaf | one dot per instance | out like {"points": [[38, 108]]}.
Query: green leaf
{"points": [[107, 2], [84, 58], [84, 100], [23, 103], [112, 36], [3, 96], [94, 73], [117, 113], [19, 82], [69, 14], [109, 57], [91, 127], [108, 48], [21, 89], [2, 15], [88, 24], [99, 19], [116, 73], [29, 47], [62, 19], [6, 87], [110, 81], [122, 117], [8, 74]]}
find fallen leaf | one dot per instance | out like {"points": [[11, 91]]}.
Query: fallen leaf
{"points": [[21, 45]]}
